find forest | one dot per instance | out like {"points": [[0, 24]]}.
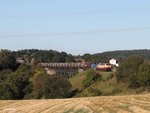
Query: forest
{"points": [[55, 56]]}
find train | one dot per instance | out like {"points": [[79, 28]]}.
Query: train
{"points": [[103, 67]]}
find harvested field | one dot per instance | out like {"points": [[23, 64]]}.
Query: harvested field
{"points": [[111, 104]]}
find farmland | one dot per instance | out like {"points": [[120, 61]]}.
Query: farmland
{"points": [[104, 104]]}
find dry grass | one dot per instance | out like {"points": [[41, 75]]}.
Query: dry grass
{"points": [[110, 104]]}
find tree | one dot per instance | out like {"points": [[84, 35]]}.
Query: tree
{"points": [[22, 76], [128, 70], [37, 82], [87, 57], [90, 77], [43, 56], [56, 87], [19, 81], [58, 57], [15, 84], [144, 75], [69, 58], [6, 92], [47, 86], [7, 60]]}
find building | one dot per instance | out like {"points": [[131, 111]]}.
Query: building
{"points": [[114, 62]]}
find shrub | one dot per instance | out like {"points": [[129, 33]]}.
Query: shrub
{"points": [[90, 77], [144, 75], [95, 92], [128, 71]]}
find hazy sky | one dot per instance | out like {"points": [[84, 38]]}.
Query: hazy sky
{"points": [[75, 26]]}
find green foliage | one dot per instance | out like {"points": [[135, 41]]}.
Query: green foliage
{"points": [[32, 82], [16, 84], [58, 58], [47, 86], [95, 92], [56, 87], [6, 92], [44, 55], [37, 81], [129, 68], [53, 56], [135, 71], [21, 80], [7, 60], [69, 58], [77, 81], [144, 75], [90, 77], [116, 91], [105, 56], [87, 57], [5, 88], [4, 74]]}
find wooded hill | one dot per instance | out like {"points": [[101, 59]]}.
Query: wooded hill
{"points": [[44, 55], [121, 54], [55, 56]]}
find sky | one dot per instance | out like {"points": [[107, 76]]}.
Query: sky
{"points": [[75, 26]]}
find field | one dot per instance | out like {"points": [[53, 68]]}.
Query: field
{"points": [[104, 104]]}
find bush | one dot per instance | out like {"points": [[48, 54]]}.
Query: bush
{"points": [[95, 92], [128, 71], [116, 91], [56, 87], [90, 77], [7, 60], [144, 75]]}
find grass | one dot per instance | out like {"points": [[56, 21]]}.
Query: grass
{"points": [[108, 86], [76, 81]]}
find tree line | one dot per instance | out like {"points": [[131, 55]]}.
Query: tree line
{"points": [[21, 81], [44, 55], [120, 54]]}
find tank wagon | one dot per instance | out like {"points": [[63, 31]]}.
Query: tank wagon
{"points": [[63, 65], [64, 68]]}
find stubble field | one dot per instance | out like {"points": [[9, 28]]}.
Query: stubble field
{"points": [[110, 104]]}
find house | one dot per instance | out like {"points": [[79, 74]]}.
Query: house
{"points": [[114, 62]]}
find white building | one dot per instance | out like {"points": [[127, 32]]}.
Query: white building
{"points": [[114, 62]]}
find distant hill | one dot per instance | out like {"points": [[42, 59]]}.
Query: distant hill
{"points": [[43, 55], [55, 56], [121, 54]]}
